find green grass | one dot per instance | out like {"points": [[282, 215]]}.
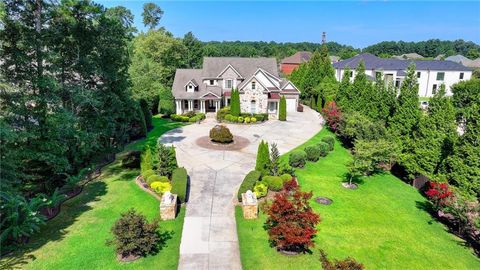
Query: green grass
{"points": [[382, 224], [75, 239]]}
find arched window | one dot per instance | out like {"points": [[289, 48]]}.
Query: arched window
{"points": [[253, 106]]}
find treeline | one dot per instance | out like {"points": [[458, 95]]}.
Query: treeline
{"points": [[66, 103], [430, 48]]}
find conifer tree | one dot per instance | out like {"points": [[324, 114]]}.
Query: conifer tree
{"points": [[235, 103], [282, 114], [263, 158], [344, 95], [274, 159], [319, 106]]}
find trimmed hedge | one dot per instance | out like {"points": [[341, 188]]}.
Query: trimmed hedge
{"points": [[330, 141], [313, 152], [274, 183], [323, 148], [248, 183], [188, 117], [297, 158], [286, 177], [147, 173], [179, 183], [221, 134]]}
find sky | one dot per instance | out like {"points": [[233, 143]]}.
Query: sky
{"points": [[356, 23]]}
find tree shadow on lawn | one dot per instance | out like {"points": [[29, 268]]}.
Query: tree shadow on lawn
{"points": [[55, 229]]}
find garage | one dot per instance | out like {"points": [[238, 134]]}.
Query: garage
{"points": [[291, 104]]}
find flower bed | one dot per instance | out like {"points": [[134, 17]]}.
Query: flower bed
{"points": [[224, 115], [188, 117]]}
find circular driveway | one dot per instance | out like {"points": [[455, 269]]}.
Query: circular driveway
{"points": [[209, 237]]}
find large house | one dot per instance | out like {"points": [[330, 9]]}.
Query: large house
{"points": [[208, 89], [431, 74], [289, 64]]}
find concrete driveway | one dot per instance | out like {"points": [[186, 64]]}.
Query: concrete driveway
{"points": [[209, 237]]}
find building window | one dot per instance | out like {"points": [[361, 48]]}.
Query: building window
{"points": [[461, 75], [185, 104], [253, 85], [351, 74], [419, 74], [434, 89], [212, 82], [190, 87], [229, 84], [440, 76], [397, 83], [253, 107], [195, 104]]}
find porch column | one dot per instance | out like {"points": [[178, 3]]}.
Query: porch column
{"points": [[203, 106], [190, 105], [217, 103]]}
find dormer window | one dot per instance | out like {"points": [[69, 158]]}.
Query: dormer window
{"points": [[253, 85], [212, 82], [190, 87], [229, 84]]}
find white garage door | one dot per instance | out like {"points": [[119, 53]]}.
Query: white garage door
{"points": [[291, 105]]}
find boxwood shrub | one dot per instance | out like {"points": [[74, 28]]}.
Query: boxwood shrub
{"points": [[313, 152], [330, 141], [179, 183], [248, 182], [286, 177], [156, 178], [260, 189], [323, 148], [274, 183], [297, 158], [147, 173]]}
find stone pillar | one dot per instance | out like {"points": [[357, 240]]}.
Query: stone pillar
{"points": [[249, 205], [168, 206]]}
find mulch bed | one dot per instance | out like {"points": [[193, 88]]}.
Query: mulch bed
{"points": [[237, 144], [129, 258], [323, 200], [140, 183]]}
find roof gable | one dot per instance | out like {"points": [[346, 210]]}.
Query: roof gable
{"points": [[229, 67]]}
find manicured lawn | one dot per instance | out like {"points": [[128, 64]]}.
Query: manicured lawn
{"points": [[75, 239], [382, 224]]}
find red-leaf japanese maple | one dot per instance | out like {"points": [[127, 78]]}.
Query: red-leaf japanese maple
{"points": [[439, 193], [291, 221], [332, 115]]}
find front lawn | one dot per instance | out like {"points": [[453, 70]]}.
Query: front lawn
{"points": [[382, 224], [75, 239]]}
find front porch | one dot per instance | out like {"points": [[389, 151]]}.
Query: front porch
{"points": [[197, 105]]}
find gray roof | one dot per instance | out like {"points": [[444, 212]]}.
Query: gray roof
{"points": [[183, 76], [212, 66], [408, 56], [464, 61], [375, 63]]}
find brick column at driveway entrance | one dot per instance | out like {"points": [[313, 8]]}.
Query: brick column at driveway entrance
{"points": [[209, 237]]}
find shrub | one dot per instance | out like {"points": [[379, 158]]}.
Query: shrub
{"points": [[247, 119], [332, 115], [131, 159], [222, 113], [282, 114], [260, 190], [147, 173], [192, 119], [253, 119], [179, 183], [146, 160], [286, 177], [248, 183], [156, 178], [323, 148], [297, 158], [221, 134], [146, 112], [134, 236], [235, 102], [228, 117], [291, 221], [439, 194], [263, 158], [345, 264], [161, 187], [313, 152], [330, 141], [167, 160], [240, 119], [189, 114], [259, 117], [274, 183]]}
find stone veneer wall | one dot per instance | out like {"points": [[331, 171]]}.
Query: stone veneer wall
{"points": [[257, 95]]}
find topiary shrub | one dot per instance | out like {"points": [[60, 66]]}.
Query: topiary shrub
{"points": [[189, 114], [161, 187], [323, 147], [179, 183], [248, 183], [156, 178], [240, 119], [297, 158], [313, 152], [286, 177], [274, 183], [222, 113], [131, 159], [260, 189], [134, 236], [221, 134], [147, 174], [253, 120], [330, 141], [247, 120], [259, 117], [282, 114]]}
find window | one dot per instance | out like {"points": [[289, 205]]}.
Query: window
{"points": [[434, 89], [253, 85], [190, 87], [461, 75], [253, 107], [185, 104], [378, 75], [419, 74], [195, 104], [440, 76], [397, 83], [229, 84], [351, 74], [212, 82]]}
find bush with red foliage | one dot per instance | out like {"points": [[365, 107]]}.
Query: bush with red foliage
{"points": [[332, 115], [291, 221], [345, 264], [440, 194]]}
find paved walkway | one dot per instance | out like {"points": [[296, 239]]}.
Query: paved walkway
{"points": [[209, 238]]}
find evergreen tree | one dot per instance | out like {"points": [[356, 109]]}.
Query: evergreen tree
{"points": [[140, 119], [235, 102], [167, 161], [312, 76], [263, 158], [345, 89], [319, 106], [282, 114], [274, 160], [146, 162], [386, 98], [146, 112], [297, 77], [194, 50], [166, 101], [433, 140], [406, 114], [326, 68]]}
